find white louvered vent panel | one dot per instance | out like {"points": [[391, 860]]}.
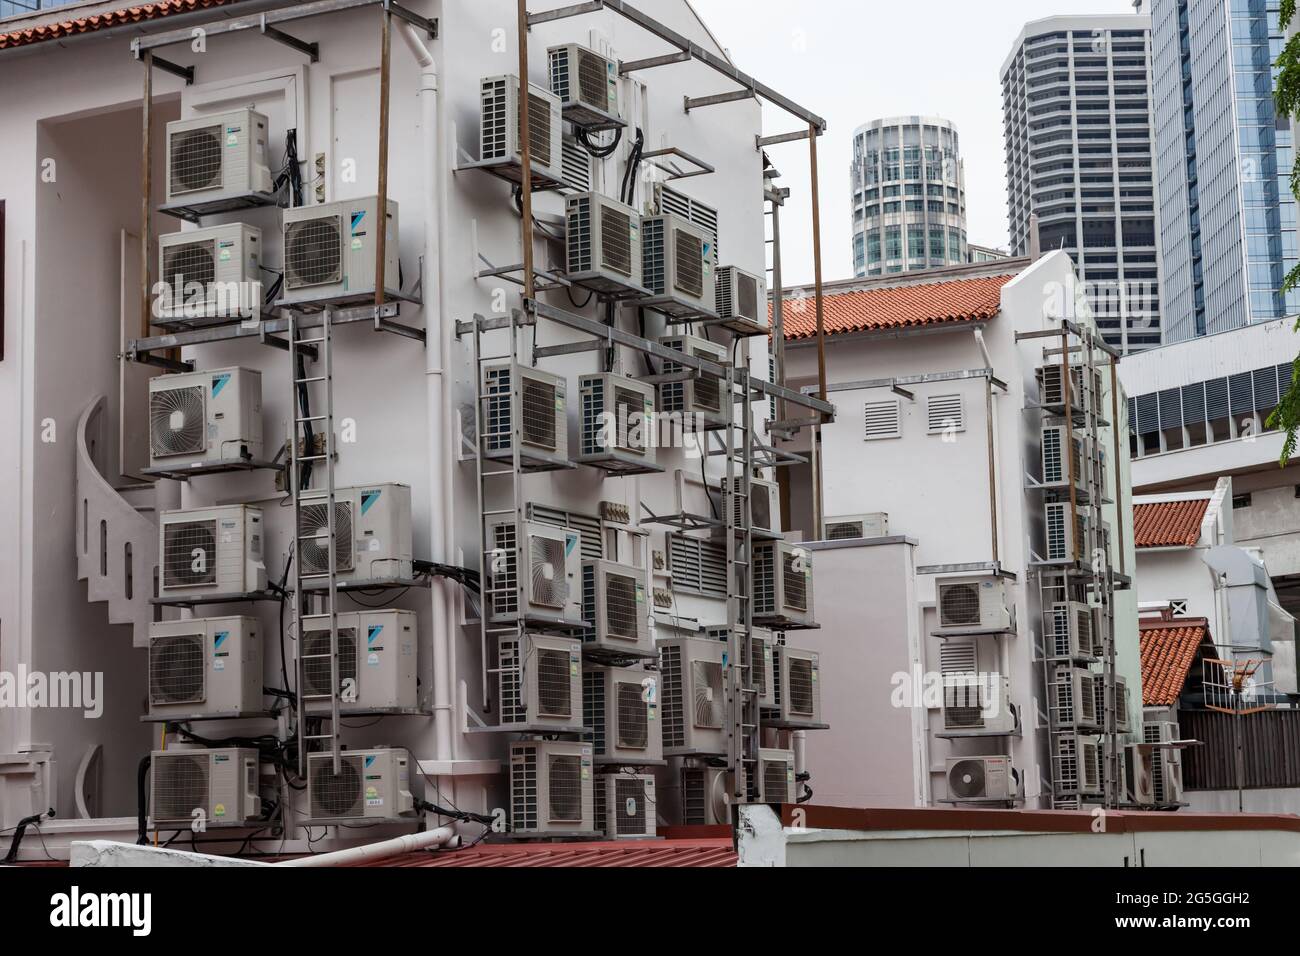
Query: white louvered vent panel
{"points": [[944, 414], [881, 420]]}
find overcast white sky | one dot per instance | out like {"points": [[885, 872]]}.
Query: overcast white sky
{"points": [[852, 61]]}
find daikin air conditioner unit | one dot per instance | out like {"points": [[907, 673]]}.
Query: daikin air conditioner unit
{"points": [[701, 394], [618, 424], [625, 806], [776, 783], [1085, 389], [1076, 764], [677, 267], [968, 706], [372, 534], [543, 417], [741, 301], [978, 602], [763, 662], [981, 779], [705, 797], [377, 653], [586, 84], [797, 687], [1072, 698], [693, 691], [1070, 630], [1061, 544], [621, 709], [1102, 692], [602, 244], [843, 527], [539, 681], [1056, 470], [222, 784], [764, 505], [783, 585], [329, 252], [218, 157], [614, 604], [208, 551], [197, 418], [551, 787], [499, 141], [205, 666], [211, 273], [1139, 778], [665, 199], [370, 785], [548, 586], [1166, 762]]}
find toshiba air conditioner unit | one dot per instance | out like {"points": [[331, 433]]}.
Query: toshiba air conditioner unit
{"points": [[796, 688], [618, 423], [1166, 762], [216, 158], [693, 691], [783, 585], [220, 784], [602, 244], [372, 534], [614, 605], [205, 666], [197, 419], [1061, 544], [1056, 469], [370, 785], [1070, 630], [981, 779], [499, 139], [1072, 698], [586, 84], [844, 527], [536, 573], [1076, 765], [741, 301], [1138, 776], [206, 551], [699, 396], [677, 267], [776, 783], [539, 681], [543, 416], [764, 506], [551, 787], [978, 602], [625, 806], [329, 252], [621, 708], [376, 661], [706, 799], [211, 273]]}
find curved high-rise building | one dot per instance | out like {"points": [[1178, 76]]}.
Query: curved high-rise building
{"points": [[909, 196]]}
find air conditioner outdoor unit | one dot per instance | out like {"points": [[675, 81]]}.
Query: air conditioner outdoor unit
{"points": [[221, 783], [843, 527], [543, 417], [372, 534], [1076, 764], [776, 783], [979, 602], [551, 787], [602, 244], [705, 796], [207, 551], [586, 84], [764, 505], [796, 688], [1056, 470], [329, 252], [1051, 385], [1102, 692], [625, 806], [621, 714], [741, 301], [783, 585], [205, 666], [981, 779], [693, 692], [548, 587], [377, 661], [618, 423], [211, 273], [677, 267], [370, 785], [218, 157], [198, 418], [539, 681], [1070, 630], [763, 661], [968, 708], [698, 399], [1061, 544], [1072, 698], [1166, 763], [499, 142], [614, 604], [1139, 776]]}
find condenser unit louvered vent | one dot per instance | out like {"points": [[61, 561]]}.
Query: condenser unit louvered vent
{"points": [[178, 421], [545, 559], [565, 788], [177, 667], [196, 159], [316, 665], [688, 251], [337, 795], [314, 541], [706, 682], [554, 694], [193, 263], [189, 553], [575, 164], [697, 565], [669, 200], [881, 419], [313, 252], [180, 785]]}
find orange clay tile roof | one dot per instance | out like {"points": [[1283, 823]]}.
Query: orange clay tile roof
{"points": [[110, 18], [1168, 651], [712, 852], [895, 307], [1168, 524]]}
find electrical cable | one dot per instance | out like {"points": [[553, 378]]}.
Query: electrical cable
{"points": [[596, 150], [628, 191]]}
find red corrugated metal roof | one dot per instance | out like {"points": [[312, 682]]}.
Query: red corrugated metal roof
{"points": [[1168, 649], [1168, 524], [895, 307], [111, 18], [638, 853]]}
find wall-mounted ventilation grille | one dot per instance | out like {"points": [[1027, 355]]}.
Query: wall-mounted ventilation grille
{"points": [[944, 414], [881, 420], [697, 565]]}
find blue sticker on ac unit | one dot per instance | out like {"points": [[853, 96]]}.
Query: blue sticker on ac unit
{"points": [[219, 638], [369, 760], [570, 542], [373, 634], [356, 220], [368, 498], [219, 382]]}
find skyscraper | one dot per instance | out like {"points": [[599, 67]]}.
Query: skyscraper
{"points": [[1077, 117], [909, 196], [1227, 216]]}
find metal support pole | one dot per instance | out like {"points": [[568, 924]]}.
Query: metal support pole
{"points": [[146, 188], [821, 329], [381, 214], [1119, 488], [525, 153], [1071, 533], [778, 311], [993, 481]]}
